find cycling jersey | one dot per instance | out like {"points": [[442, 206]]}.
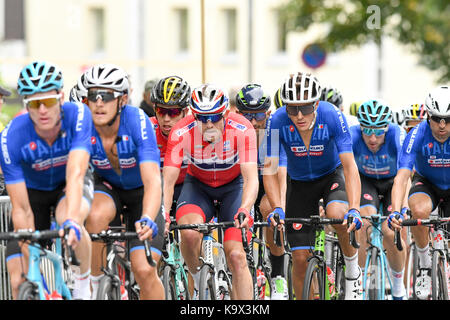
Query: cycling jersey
{"points": [[214, 164], [429, 157], [161, 140], [136, 143], [330, 137], [383, 163], [26, 157]]}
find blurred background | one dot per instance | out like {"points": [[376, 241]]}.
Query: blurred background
{"points": [[395, 50]]}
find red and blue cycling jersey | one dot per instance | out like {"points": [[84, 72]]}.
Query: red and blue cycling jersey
{"points": [[136, 143], [429, 157], [383, 163], [330, 137], [161, 140], [214, 164], [26, 157]]}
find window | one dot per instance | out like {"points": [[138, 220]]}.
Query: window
{"points": [[181, 27], [281, 27], [97, 17], [231, 30], [14, 22]]}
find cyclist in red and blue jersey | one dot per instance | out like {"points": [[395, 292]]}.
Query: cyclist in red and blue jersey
{"points": [[45, 156], [376, 145], [170, 97], [222, 154], [254, 104], [320, 164], [125, 158], [426, 150]]}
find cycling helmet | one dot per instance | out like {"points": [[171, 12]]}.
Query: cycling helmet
{"points": [[78, 92], [171, 90], [398, 117], [414, 112], [374, 113], [438, 102], [332, 95], [39, 76], [300, 88], [354, 108], [108, 76], [252, 98], [277, 99], [208, 99]]}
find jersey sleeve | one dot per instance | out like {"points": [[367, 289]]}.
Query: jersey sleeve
{"points": [[174, 149], [343, 138], [144, 135], [10, 158], [410, 148], [82, 130], [247, 148]]}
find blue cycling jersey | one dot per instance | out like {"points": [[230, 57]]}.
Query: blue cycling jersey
{"points": [[383, 163], [429, 157], [136, 144], [330, 137], [26, 157]]}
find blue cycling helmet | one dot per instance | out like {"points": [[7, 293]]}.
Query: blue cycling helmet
{"points": [[252, 98], [374, 113], [39, 76]]}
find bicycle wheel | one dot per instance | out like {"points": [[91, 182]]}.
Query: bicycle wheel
{"points": [[169, 282], [340, 281], [411, 273], [107, 290], [374, 285], [28, 291], [439, 289], [313, 285], [288, 274], [207, 287]]}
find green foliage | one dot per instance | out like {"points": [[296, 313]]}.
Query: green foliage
{"points": [[423, 25]]}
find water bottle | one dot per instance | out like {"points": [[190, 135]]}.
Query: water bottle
{"points": [[331, 280], [261, 281]]}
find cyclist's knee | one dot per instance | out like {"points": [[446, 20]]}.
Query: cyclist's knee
{"points": [[300, 257], [237, 259]]}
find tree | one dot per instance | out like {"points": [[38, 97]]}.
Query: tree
{"points": [[422, 25]]}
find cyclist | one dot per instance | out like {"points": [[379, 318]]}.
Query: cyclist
{"points": [[319, 154], [376, 146], [353, 109], [254, 104], [45, 156], [146, 103], [413, 115], [170, 96], [222, 156], [333, 96], [3, 93], [125, 158], [425, 150], [79, 93]]}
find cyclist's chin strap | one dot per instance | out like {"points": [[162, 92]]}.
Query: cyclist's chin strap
{"points": [[314, 120], [119, 109]]}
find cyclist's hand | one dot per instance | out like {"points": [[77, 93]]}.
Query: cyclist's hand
{"points": [[395, 219], [146, 228], [357, 221], [321, 209], [74, 235], [248, 221], [167, 225], [271, 220]]}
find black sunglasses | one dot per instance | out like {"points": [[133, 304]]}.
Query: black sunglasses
{"points": [[106, 96], [439, 119], [305, 110]]}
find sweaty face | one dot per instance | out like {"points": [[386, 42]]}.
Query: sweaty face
{"points": [[373, 142], [440, 130], [45, 117], [102, 112]]}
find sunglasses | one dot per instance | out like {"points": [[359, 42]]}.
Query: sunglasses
{"points": [[47, 101], [172, 112], [439, 119], [210, 117], [305, 109], [258, 116], [106, 96], [378, 131]]}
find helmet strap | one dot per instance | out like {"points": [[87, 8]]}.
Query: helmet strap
{"points": [[119, 109]]}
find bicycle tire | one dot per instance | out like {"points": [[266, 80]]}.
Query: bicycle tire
{"points": [[313, 285], [439, 289], [340, 281], [28, 291], [288, 274], [411, 273], [168, 281], [373, 290], [207, 286], [107, 290]]}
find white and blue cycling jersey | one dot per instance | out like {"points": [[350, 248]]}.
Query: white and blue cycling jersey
{"points": [[330, 138], [429, 157], [136, 143], [26, 157], [383, 163]]}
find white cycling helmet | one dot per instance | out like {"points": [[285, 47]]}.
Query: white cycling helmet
{"points": [[438, 102], [107, 76], [300, 88], [208, 99], [78, 92]]}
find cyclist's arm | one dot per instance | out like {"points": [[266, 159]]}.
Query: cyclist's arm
{"points": [[399, 187], [151, 178], [249, 173], [21, 213], [170, 176], [271, 182], [282, 174], [352, 179]]}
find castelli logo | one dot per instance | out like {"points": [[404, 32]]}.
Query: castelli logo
{"points": [[93, 140], [33, 145], [334, 186], [389, 208], [297, 226], [291, 128], [430, 145], [367, 196]]}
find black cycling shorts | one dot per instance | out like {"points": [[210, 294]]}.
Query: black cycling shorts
{"points": [[421, 184], [302, 201], [132, 200], [372, 188]]}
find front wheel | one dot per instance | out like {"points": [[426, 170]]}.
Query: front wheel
{"points": [[374, 286], [28, 291], [439, 289], [313, 287], [207, 286], [169, 283], [107, 290]]}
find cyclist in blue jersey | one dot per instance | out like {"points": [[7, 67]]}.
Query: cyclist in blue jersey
{"points": [[125, 158], [376, 146], [320, 164], [45, 156], [254, 104], [426, 149]]}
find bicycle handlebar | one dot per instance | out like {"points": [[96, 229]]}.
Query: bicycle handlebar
{"points": [[397, 236], [435, 221], [352, 234]]}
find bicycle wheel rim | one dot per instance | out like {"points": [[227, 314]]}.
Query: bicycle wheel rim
{"points": [[439, 289], [313, 285]]}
